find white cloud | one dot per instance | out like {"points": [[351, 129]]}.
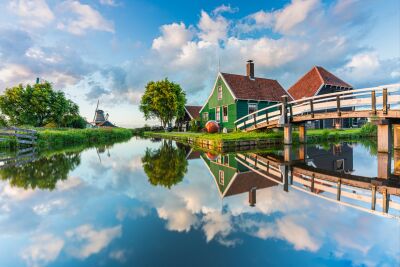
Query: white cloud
{"points": [[83, 18], [174, 36], [293, 14], [212, 29], [90, 241], [216, 223], [109, 2], [224, 9], [33, 13], [43, 250], [11, 71]]}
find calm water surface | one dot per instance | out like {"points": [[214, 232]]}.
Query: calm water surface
{"points": [[157, 203]]}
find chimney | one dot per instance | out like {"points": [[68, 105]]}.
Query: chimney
{"points": [[250, 69], [252, 196], [37, 80]]}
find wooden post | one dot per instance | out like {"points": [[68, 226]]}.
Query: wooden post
{"points": [[339, 189], [385, 199], [312, 182], [396, 136], [291, 112], [373, 102], [284, 108], [287, 134], [287, 153], [384, 136], [255, 161], [302, 152], [384, 104], [397, 162], [286, 179], [302, 134], [266, 116], [255, 122], [338, 105], [373, 198], [244, 124], [384, 165], [311, 108]]}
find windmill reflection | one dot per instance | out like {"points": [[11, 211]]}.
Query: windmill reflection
{"points": [[324, 172]]}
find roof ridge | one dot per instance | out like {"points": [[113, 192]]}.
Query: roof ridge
{"points": [[247, 76], [319, 74]]}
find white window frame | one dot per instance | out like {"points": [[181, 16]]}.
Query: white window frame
{"points": [[221, 177], [251, 104], [205, 116], [225, 118], [218, 114], [219, 90]]}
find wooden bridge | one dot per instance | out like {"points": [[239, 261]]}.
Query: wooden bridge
{"points": [[22, 136], [346, 189], [380, 104]]}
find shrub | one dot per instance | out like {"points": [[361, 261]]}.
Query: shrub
{"points": [[369, 129]]}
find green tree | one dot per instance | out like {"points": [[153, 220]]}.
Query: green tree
{"points": [[38, 105], [42, 173], [165, 166], [163, 100]]}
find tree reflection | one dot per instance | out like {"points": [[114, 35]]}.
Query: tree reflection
{"points": [[42, 173], [166, 165]]}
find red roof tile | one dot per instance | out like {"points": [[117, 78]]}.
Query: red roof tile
{"points": [[255, 89], [246, 181], [193, 111], [308, 85]]}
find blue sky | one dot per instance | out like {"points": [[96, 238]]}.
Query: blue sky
{"points": [[109, 49]]}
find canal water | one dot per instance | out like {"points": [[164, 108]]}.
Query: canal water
{"points": [[157, 203]]}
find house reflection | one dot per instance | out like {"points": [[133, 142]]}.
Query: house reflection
{"points": [[233, 178], [320, 171], [337, 158]]}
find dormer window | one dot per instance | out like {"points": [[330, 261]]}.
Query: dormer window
{"points": [[220, 92]]}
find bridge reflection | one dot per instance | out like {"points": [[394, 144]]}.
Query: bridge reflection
{"points": [[323, 172]]}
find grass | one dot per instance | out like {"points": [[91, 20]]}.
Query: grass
{"points": [[50, 139], [314, 133]]}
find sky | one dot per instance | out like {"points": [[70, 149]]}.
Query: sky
{"points": [[108, 50]]}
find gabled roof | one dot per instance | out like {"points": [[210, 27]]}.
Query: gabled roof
{"points": [[245, 181], [193, 111], [310, 84], [246, 88]]}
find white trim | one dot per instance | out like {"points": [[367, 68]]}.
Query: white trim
{"points": [[248, 107], [212, 91], [189, 113], [218, 119]]}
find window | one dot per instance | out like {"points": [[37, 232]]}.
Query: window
{"points": [[252, 108], [219, 92], [205, 116], [221, 177], [339, 165], [218, 114], [225, 113]]}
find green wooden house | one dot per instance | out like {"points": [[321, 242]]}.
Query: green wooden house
{"points": [[234, 96]]}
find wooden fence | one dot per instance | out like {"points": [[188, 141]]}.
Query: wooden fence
{"points": [[22, 136]]}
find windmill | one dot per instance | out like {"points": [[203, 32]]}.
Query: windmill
{"points": [[95, 112]]}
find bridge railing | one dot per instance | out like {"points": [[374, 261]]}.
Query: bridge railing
{"points": [[382, 98]]}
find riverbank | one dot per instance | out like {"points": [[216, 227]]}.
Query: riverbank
{"points": [[243, 141], [50, 139]]}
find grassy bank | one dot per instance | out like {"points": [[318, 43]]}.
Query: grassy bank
{"points": [[50, 139], [231, 141], [58, 138]]}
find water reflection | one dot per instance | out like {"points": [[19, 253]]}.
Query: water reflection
{"points": [[265, 206], [165, 166], [324, 172]]}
